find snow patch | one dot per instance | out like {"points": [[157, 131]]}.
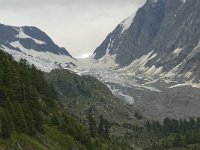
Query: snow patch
{"points": [[188, 74], [154, 1], [138, 65], [190, 83], [177, 51], [183, 1], [129, 99], [44, 61], [127, 23], [173, 72], [195, 52], [154, 71], [22, 35]]}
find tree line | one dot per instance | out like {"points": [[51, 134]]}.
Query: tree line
{"points": [[101, 129], [175, 133]]}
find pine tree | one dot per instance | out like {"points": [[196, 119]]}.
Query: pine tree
{"points": [[106, 128], [158, 126], [38, 120], [29, 120], [7, 126], [148, 126], [55, 120], [101, 126], [92, 126], [167, 126], [198, 123], [192, 123], [20, 122]]}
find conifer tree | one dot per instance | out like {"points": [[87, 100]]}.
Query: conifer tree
{"points": [[29, 120], [198, 122], [7, 126], [92, 125], [38, 120], [148, 125], [101, 125], [20, 122], [106, 128]]}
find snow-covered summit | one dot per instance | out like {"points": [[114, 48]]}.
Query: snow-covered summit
{"points": [[35, 46]]}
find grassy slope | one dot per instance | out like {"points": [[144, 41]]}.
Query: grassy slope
{"points": [[51, 140]]}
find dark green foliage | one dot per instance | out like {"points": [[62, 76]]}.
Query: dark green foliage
{"points": [[20, 122], [92, 126], [148, 125], [29, 120], [55, 120], [101, 125], [103, 128], [106, 128], [28, 103], [7, 126], [171, 134], [174, 133], [24, 93]]}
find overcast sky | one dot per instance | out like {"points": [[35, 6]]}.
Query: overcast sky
{"points": [[78, 25]]}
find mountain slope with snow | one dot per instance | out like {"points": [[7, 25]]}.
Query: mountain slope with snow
{"points": [[167, 31], [152, 60], [35, 46]]}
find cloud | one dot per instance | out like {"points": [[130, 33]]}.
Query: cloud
{"points": [[78, 25]]}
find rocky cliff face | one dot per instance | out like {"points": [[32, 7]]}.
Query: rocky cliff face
{"points": [[166, 32]]}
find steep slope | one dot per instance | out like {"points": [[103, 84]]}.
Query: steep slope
{"points": [[31, 116], [35, 46], [84, 94], [162, 39]]}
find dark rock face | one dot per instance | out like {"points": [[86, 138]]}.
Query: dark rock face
{"points": [[161, 26], [101, 50], [9, 34], [141, 33]]}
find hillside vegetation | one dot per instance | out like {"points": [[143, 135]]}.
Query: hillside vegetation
{"points": [[83, 95], [31, 116]]}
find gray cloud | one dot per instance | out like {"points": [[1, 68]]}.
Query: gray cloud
{"points": [[78, 25]]}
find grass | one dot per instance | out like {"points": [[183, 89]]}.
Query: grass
{"points": [[51, 140]]}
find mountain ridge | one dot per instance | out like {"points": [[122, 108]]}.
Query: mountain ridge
{"points": [[36, 46], [168, 30]]}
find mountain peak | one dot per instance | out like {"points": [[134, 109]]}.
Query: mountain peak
{"points": [[36, 46], [167, 29]]}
